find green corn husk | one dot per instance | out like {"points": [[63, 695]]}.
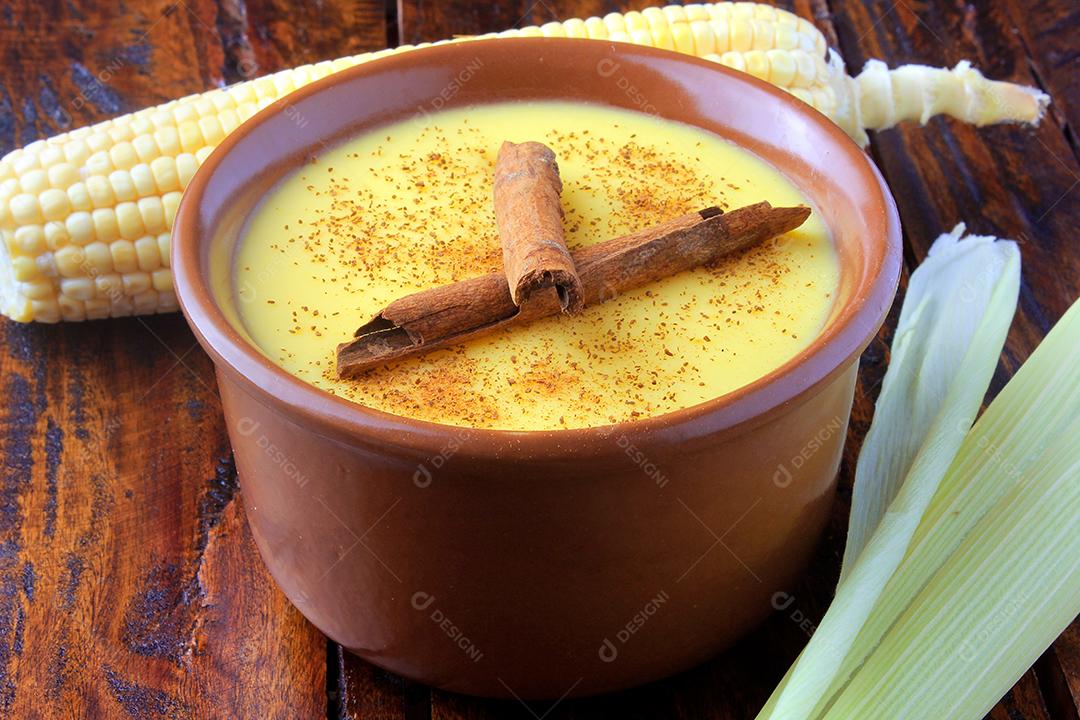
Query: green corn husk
{"points": [[938, 619], [952, 327]]}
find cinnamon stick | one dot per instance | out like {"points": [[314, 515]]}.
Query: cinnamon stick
{"points": [[450, 314], [530, 220]]}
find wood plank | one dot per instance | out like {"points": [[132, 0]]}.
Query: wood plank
{"points": [[737, 683], [425, 21], [1062, 673], [67, 64], [1024, 701], [1048, 33], [1008, 181], [366, 692], [132, 585]]}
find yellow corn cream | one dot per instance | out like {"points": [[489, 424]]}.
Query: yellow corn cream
{"points": [[409, 207]]}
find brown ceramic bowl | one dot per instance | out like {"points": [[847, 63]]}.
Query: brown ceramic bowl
{"points": [[543, 563]]}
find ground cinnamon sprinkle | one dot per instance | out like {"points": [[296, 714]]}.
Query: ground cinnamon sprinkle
{"points": [[431, 222]]}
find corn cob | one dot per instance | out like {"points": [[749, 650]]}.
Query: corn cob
{"points": [[85, 216]]}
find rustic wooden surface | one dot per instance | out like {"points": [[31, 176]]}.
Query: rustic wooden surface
{"points": [[129, 583]]}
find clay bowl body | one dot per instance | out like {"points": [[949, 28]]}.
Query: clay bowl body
{"points": [[543, 563]]}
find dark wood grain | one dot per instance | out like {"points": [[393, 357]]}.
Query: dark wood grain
{"points": [[131, 587], [129, 583], [68, 64], [968, 170], [1048, 35], [1006, 181], [1063, 671]]}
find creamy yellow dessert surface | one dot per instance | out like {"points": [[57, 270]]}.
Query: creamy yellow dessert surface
{"points": [[409, 207]]}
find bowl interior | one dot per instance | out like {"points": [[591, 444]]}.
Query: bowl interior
{"points": [[806, 147]]}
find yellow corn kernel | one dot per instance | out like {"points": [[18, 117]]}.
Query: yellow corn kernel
{"points": [[246, 110], [204, 106], [190, 137], [98, 141], [121, 305], [596, 28], [162, 280], [98, 259], [76, 151], [168, 140], [803, 94], [186, 165], [79, 197], [145, 147], [170, 201], [167, 302], [704, 38], [733, 60], [38, 290], [806, 69], [683, 38], [101, 191], [123, 256], [9, 188], [152, 214], [123, 155], [165, 177], [576, 28], [785, 37], [34, 181], [183, 112], [25, 209], [24, 269], [211, 130], [135, 282], [164, 243], [142, 178], [782, 67], [97, 308], [63, 175], [70, 261], [80, 288], [119, 132], [49, 156], [553, 29], [742, 35], [146, 301], [659, 27], [147, 253], [222, 101], [47, 310], [55, 204], [30, 240], [229, 120], [80, 227], [100, 163], [108, 285], [123, 188], [129, 221], [56, 236], [106, 227], [71, 310]]}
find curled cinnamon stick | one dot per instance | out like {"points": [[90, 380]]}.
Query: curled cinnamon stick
{"points": [[530, 220], [450, 314]]}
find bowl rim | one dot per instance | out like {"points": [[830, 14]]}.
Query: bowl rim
{"points": [[734, 412]]}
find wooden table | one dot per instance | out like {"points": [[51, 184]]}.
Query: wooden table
{"points": [[129, 583]]}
